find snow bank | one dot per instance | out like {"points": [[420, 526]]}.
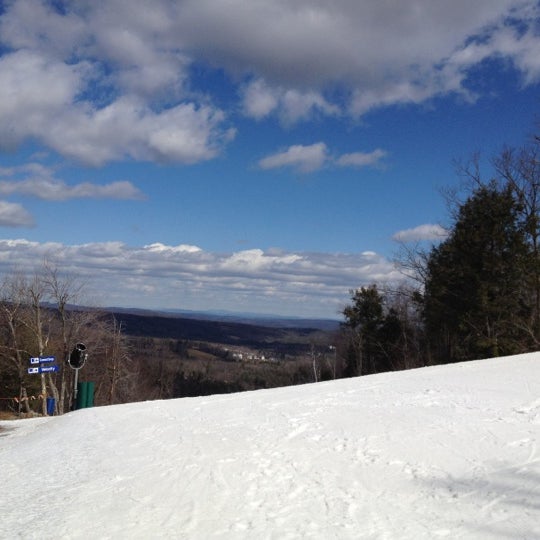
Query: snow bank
{"points": [[448, 451]]}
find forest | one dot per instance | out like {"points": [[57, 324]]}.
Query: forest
{"points": [[473, 294]]}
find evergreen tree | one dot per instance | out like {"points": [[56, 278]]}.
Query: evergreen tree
{"points": [[520, 171], [475, 293], [378, 335], [364, 318]]}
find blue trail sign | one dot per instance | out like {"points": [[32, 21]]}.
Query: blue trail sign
{"points": [[48, 369], [42, 364], [42, 359], [47, 359], [43, 369]]}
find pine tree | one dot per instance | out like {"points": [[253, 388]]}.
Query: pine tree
{"points": [[378, 336], [475, 291]]}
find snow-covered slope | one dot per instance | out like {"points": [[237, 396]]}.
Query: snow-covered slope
{"points": [[447, 451]]}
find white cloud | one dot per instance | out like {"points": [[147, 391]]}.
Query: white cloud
{"points": [[310, 158], [158, 247], [303, 158], [298, 105], [26, 109], [162, 276], [59, 191], [382, 53], [33, 25], [128, 128], [117, 73], [362, 159], [518, 43], [256, 260], [37, 180], [427, 231], [73, 118], [14, 215], [261, 100]]}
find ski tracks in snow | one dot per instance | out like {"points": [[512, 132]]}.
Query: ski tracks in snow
{"points": [[447, 452]]}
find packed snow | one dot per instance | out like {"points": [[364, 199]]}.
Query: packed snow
{"points": [[447, 451]]}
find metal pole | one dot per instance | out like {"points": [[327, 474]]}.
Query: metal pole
{"points": [[75, 382]]}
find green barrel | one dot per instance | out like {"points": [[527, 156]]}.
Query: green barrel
{"points": [[90, 394], [82, 395]]}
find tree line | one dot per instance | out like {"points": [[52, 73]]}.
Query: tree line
{"points": [[474, 295], [38, 319], [45, 314]]}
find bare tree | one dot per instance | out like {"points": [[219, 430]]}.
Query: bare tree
{"points": [[315, 363], [11, 347], [33, 293], [65, 291], [41, 317], [116, 360]]}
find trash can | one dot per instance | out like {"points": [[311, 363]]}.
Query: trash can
{"points": [[50, 406], [85, 395], [90, 394], [82, 393]]}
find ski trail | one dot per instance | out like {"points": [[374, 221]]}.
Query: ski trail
{"points": [[446, 452]]}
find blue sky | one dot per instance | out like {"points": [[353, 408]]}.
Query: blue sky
{"points": [[248, 156]]}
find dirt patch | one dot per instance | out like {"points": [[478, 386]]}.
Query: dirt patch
{"points": [[5, 415]]}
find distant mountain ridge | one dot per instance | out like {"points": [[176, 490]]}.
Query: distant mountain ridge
{"points": [[272, 333], [254, 319]]}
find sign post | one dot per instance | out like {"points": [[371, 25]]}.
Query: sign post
{"points": [[75, 387], [39, 365]]}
